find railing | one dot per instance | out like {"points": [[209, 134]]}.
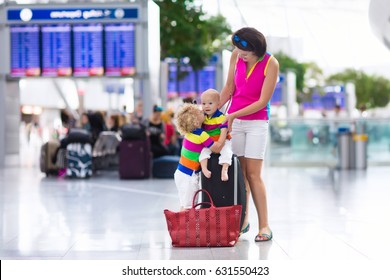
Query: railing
{"points": [[313, 142]]}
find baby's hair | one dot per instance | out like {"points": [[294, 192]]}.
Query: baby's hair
{"points": [[186, 118], [211, 92]]}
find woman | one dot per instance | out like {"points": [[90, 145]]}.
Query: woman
{"points": [[252, 76], [157, 133]]}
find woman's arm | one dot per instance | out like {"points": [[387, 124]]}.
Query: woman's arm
{"points": [[229, 86]]}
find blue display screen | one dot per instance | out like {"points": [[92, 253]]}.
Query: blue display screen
{"points": [[206, 78], [119, 49], [81, 50], [88, 50], [25, 51], [56, 49], [193, 82]]}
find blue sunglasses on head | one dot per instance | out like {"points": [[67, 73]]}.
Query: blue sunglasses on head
{"points": [[238, 40]]}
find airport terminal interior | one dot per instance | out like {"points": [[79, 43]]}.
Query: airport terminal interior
{"points": [[327, 181]]}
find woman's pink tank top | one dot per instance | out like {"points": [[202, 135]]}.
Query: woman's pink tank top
{"points": [[248, 88]]}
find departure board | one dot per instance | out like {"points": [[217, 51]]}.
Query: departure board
{"points": [[187, 85], [56, 50], [88, 50], [172, 80], [206, 78], [25, 51], [84, 50], [119, 49]]}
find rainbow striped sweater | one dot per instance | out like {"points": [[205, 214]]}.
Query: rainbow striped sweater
{"points": [[193, 143], [213, 125]]}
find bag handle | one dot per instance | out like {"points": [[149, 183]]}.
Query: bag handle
{"points": [[211, 203], [202, 203], [228, 105]]}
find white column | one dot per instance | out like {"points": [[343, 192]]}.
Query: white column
{"points": [[290, 92]]}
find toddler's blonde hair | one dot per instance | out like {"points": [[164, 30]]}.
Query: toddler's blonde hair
{"points": [[186, 118]]}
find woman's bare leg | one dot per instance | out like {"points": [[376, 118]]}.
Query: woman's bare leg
{"points": [[248, 192], [253, 174]]}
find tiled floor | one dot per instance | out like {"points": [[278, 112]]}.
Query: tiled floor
{"points": [[315, 213]]}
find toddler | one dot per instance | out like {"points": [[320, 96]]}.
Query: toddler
{"points": [[214, 124]]}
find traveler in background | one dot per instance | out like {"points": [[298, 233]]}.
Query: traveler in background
{"points": [[113, 123], [171, 137], [137, 116], [251, 81], [67, 120], [155, 128], [85, 122], [98, 124]]}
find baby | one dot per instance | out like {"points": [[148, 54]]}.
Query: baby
{"points": [[189, 121], [215, 125]]}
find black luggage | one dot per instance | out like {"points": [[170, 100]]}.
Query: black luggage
{"points": [[165, 166], [225, 193], [79, 160], [79, 135], [133, 132], [46, 163], [135, 159]]}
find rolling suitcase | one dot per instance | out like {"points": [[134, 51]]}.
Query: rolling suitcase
{"points": [[79, 160], [225, 193], [135, 159], [46, 158], [106, 144], [105, 151]]}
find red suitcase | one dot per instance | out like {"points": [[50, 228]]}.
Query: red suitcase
{"points": [[135, 159]]}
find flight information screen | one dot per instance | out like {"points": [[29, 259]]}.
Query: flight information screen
{"points": [[25, 51], [206, 78], [56, 50], [81, 50], [119, 49], [88, 50]]}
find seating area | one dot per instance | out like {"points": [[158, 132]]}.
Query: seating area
{"points": [[105, 155]]}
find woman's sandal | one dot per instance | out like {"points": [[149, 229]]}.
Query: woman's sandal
{"points": [[244, 230], [263, 237]]}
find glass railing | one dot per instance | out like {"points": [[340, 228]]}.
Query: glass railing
{"points": [[313, 142]]}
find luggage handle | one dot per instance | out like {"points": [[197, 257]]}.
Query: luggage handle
{"points": [[235, 180]]}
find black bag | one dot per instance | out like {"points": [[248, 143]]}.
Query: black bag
{"points": [[79, 135], [133, 132], [165, 166]]}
